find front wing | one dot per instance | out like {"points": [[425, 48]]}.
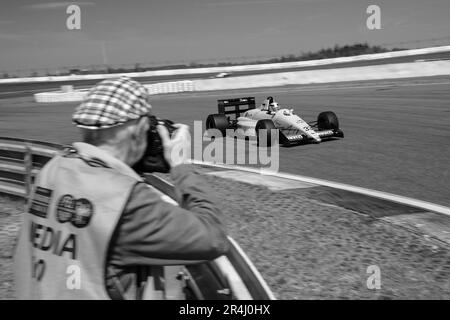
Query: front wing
{"points": [[294, 137]]}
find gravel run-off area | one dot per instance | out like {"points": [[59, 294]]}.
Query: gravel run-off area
{"points": [[304, 249]]}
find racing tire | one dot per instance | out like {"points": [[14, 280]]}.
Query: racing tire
{"points": [[217, 121], [267, 125], [327, 121]]}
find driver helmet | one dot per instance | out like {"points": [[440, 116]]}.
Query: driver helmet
{"points": [[274, 106]]}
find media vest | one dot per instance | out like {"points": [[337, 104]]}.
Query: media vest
{"points": [[77, 200]]}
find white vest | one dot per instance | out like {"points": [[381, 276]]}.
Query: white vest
{"points": [[73, 211]]}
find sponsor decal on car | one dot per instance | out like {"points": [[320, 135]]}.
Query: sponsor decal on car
{"points": [[295, 137], [325, 133]]}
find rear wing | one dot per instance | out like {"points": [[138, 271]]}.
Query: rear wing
{"points": [[236, 106]]}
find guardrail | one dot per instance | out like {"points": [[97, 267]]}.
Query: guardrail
{"points": [[231, 276], [170, 87], [59, 96], [20, 160], [79, 95]]}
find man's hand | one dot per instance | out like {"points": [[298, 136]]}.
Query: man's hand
{"points": [[177, 150]]}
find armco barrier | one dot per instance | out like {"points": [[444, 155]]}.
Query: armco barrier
{"points": [[255, 67], [57, 96], [170, 87], [78, 95], [20, 160], [231, 276]]}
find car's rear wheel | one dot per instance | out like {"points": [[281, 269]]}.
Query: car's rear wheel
{"points": [[327, 121], [264, 132], [217, 121]]}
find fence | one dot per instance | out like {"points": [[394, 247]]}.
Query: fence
{"points": [[231, 276]]}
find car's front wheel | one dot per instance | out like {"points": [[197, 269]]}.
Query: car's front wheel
{"points": [[264, 133], [217, 121]]}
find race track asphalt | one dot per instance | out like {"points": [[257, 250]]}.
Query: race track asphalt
{"points": [[396, 132]]}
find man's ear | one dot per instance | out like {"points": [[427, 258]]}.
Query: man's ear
{"points": [[140, 129], [143, 125]]}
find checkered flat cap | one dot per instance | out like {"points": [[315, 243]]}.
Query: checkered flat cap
{"points": [[111, 103]]}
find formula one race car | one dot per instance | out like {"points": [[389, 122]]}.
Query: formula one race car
{"points": [[291, 128]]}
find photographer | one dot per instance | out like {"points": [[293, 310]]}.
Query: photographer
{"points": [[91, 215]]}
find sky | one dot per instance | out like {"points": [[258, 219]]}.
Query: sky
{"points": [[33, 34]]}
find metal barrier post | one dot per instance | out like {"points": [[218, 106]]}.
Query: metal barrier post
{"points": [[28, 163]]}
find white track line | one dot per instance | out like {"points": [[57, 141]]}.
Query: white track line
{"points": [[369, 192]]}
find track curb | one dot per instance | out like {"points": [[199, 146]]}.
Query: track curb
{"points": [[428, 206]]}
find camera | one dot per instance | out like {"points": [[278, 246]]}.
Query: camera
{"points": [[153, 159]]}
